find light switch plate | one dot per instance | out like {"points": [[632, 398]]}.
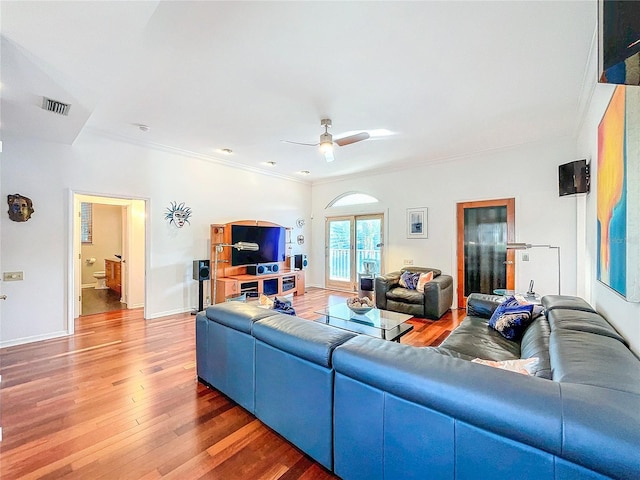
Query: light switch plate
{"points": [[408, 261], [12, 276]]}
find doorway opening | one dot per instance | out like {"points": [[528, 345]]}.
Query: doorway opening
{"points": [[353, 247], [108, 254], [101, 237]]}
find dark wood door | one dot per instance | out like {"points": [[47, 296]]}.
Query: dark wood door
{"points": [[483, 231]]}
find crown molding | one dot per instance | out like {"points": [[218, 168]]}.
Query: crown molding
{"points": [[188, 153]]}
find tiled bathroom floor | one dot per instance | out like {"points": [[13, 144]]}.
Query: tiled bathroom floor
{"points": [[98, 301]]}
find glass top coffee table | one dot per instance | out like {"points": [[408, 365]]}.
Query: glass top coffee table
{"points": [[376, 323]]}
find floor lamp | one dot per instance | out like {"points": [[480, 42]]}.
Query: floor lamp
{"points": [[218, 249], [526, 246]]}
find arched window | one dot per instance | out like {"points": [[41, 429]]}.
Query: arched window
{"points": [[351, 198]]}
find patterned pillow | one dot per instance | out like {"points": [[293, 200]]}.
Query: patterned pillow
{"points": [[525, 366], [511, 319], [409, 280], [511, 301], [422, 281], [283, 307], [537, 308]]}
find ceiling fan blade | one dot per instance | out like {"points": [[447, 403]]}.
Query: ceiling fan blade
{"points": [[358, 137], [300, 143], [328, 155]]}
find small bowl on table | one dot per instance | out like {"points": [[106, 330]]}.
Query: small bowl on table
{"points": [[360, 306]]}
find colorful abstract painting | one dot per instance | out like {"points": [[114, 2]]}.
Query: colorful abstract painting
{"points": [[618, 199]]}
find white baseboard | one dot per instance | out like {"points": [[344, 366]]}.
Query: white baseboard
{"points": [[169, 312], [35, 338]]}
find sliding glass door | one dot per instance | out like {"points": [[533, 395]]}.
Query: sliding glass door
{"points": [[352, 243]]}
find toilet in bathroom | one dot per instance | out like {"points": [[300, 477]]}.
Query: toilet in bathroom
{"points": [[101, 280]]}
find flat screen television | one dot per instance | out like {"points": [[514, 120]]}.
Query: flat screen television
{"points": [[573, 177], [270, 239]]}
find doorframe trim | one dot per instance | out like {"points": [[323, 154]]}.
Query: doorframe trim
{"points": [[73, 249], [510, 203]]}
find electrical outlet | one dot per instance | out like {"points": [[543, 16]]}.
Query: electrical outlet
{"points": [[12, 276], [408, 261], [525, 257]]}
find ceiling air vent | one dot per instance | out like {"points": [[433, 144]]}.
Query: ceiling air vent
{"points": [[55, 106]]}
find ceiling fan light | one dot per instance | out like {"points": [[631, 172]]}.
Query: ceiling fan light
{"points": [[326, 142], [326, 147]]}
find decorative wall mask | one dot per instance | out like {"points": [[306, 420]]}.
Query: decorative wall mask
{"points": [[20, 208], [178, 214]]}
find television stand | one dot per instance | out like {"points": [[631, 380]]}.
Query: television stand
{"points": [[234, 280], [281, 283]]}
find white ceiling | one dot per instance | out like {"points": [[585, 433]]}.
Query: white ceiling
{"points": [[448, 78]]}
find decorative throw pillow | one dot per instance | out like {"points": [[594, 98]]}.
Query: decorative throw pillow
{"points": [[423, 279], [510, 318], [409, 280], [265, 301], [511, 301], [526, 366], [283, 307], [538, 309]]}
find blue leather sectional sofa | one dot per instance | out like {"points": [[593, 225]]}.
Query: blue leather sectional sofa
{"points": [[371, 409]]}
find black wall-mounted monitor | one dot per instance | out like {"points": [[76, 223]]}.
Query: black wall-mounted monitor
{"points": [[573, 178]]}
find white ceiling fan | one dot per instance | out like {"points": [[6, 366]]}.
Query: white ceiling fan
{"points": [[327, 142]]}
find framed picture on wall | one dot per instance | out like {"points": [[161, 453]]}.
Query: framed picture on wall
{"points": [[417, 222], [618, 187]]}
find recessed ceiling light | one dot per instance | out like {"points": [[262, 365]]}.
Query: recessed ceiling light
{"points": [[270, 164], [304, 172], [226, 151]]}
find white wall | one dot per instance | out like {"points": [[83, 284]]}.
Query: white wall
{"points": [[529, 174], [625, 316], [135, 261], [37, 307]]}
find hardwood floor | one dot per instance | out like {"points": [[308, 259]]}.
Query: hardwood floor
{"points": [[119, 399]]}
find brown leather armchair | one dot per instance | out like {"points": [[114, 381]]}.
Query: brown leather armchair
{"points": [[433, 303]]}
